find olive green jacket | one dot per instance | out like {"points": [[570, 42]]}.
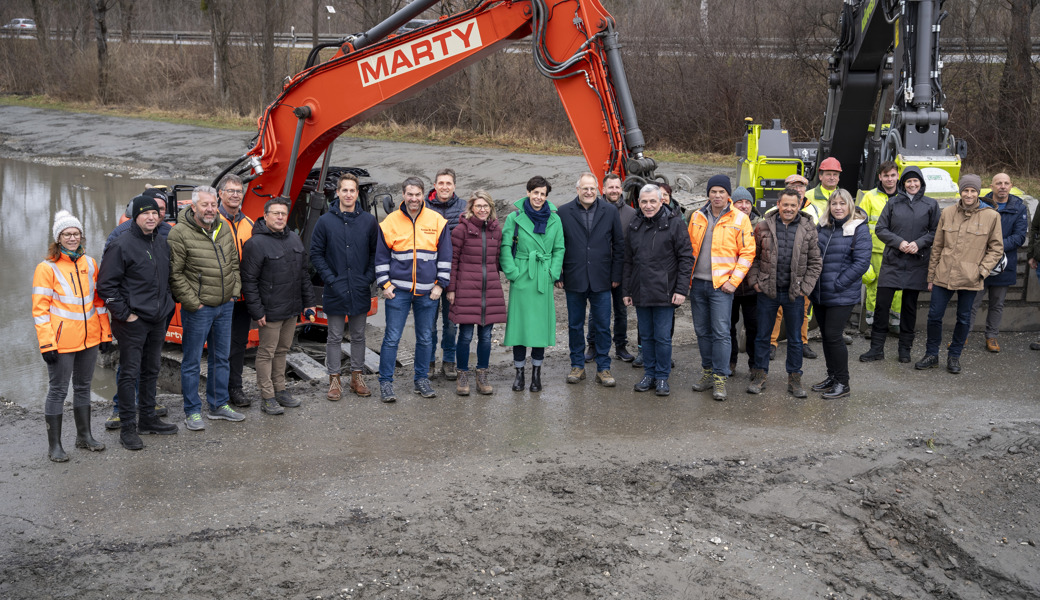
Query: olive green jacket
{"points": [[203, 265]]}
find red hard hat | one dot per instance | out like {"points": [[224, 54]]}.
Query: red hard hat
{"points": [[830, 164]]}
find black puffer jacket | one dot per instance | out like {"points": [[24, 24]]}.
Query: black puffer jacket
{"points": [[134, 277], [911, 219], [274, 274], [658, 259]]}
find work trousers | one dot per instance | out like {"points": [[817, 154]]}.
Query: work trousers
{"points": [[275, 339], [355, 324], [77, 366]]}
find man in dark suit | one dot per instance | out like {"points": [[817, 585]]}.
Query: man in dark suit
{"points": [[592, 264]]}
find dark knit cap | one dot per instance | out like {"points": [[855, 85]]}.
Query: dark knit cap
{"points": [[142, 204], [970, 180], [721, 181]]}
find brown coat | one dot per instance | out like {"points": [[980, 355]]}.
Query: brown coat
{"points": [[968, 244], [806, 263]]}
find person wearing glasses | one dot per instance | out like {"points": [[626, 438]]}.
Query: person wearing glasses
{"points": [[231, 191], [71, 323], [276, 289]]}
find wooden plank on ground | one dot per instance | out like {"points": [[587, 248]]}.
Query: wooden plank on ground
{"points": [[371, 358], [306, 367]]}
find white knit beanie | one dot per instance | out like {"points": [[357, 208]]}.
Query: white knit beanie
{"points": [[62, 221]]}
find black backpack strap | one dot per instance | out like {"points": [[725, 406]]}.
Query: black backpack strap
{"points": [[516, 235]]}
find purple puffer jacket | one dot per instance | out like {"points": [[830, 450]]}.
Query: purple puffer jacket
{"points": [[474, 273]]}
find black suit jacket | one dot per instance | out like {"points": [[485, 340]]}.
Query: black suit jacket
{"points": [[592, 260]]}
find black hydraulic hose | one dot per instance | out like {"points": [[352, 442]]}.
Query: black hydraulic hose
{"points": [[312, 58], [302, 113], [237, 162], [392, 23]]}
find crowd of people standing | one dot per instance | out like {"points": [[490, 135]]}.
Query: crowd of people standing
{"points": [[439, 256]]}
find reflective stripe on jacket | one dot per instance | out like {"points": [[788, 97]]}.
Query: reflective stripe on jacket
{"points": [[413, 255], [68, 314], [732, 244], [241, 227]]}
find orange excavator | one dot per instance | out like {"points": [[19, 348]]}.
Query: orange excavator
{"points": [[573, 42]]}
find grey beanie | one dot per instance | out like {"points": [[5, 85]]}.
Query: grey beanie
{"points": [[970, 180], [742, 193]]}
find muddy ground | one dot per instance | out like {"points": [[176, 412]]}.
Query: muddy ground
{"points": [[922, 484]]}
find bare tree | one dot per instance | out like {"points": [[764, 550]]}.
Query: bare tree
{"points": [[273, 14], [221, 20], [100, 10], [1015, 97], [376, 11], [126, 19], [315, 21], [41, 14]]}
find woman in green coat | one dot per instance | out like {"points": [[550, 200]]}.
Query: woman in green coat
{"points": [[532, 259]]}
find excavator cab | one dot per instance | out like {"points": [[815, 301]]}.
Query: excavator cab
{"points": [[767, 157]]}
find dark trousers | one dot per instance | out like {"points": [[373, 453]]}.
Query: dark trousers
{"points": [[620, 320], [907, 319], [748, 305], [937, 308], [655, 331], [239, 339], [794, 312], [832, 320], [520, 356], [140, 348]]}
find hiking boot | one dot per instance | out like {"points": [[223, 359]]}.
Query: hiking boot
{"points": [[54, 450], [622, 353], [772, 352], [161, 411], [238, 398], [536, 378], [286, 399], [808, 352], [758, 381], [84, 439], [386, 392], [992, 345], [357, 384], [225, 413], [194, 422], [872, 355], [1034, 346], [637, 363], [840, 390], [518, 381], [154, 426], [719, 383], [576, 375], [825, 385], [930, 361], [112, 422], [705, 382], [904, 355], [449, 371], [661, 388], [335, 388], [462, 383], [270, 406], [128, 436], [645, 384], [605, 379], [794, 385], [483, 385], [953, 364], [424, 388]]}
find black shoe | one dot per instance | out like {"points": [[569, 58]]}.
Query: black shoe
{"points": [[236, 398], [930, 361], [645, 384], [518, 382], [824, 386], [161, 411], [54, 450], [904, 355], [872, 355], [153, 425], [536, 379], [953, 364], [662, 388], [590, 353], [1034, 346], [840, 390], [808, 352], [128, 437], [772, 352], [622, 353]]}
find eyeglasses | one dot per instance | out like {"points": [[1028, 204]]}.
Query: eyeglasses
{"points": [[278, 213], [481, 207], [233, 192], [588, 189], [71, 234]]}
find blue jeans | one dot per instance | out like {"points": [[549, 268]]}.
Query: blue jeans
{"points": [[209, 326], [448, 333], [599, 323], [655, 331], [937, 308], [712, 310], [483, 345], [794, 312], [397, 309]]}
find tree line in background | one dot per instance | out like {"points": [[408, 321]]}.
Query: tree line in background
{"points": [[696, 67]]}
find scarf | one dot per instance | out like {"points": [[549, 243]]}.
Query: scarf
{"points": [[540, 218], [73, 254]]}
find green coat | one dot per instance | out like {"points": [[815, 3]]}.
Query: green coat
{"points": [[531, 318]]}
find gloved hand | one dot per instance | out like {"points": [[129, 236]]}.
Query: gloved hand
{"points": [[105, 347], [50, 357]]}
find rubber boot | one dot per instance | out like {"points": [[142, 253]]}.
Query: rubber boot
{"points": [[84, 439], [54, 451], [518, 382], [536, 379]]}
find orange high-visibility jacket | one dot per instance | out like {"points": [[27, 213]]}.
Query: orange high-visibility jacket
{"points": [[68, 314], [732, 244], [242, 229]]}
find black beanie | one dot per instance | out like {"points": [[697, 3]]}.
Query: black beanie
{"points": [[142, 204], [721, 181]]}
